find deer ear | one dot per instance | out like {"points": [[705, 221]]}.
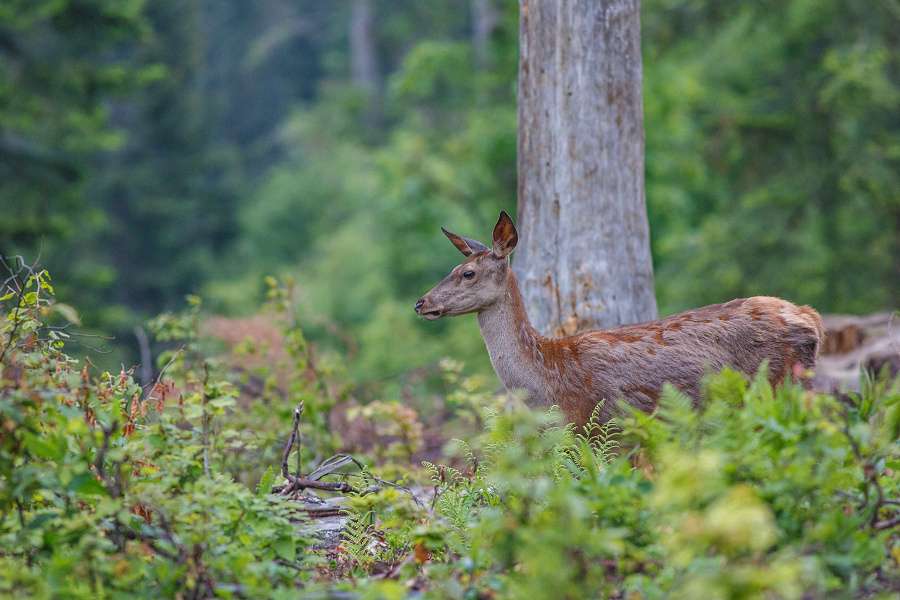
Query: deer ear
{"points": [[465, 245], [505, 236]]}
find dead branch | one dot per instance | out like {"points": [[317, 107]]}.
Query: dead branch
{"points": [[887, 523], [297, 483], [113, 483], [290, 444], [163, 372], [329, 466]]}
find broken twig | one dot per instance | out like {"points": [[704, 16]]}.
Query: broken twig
{"points": [[297, 483]]}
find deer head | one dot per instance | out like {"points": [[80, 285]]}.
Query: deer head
{"points": [[479, 281]]}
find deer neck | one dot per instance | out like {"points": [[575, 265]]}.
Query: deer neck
{"points": [[514, 346]]}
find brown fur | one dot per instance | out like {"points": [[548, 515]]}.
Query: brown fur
{"points": [[633, 361], [629, 362]]}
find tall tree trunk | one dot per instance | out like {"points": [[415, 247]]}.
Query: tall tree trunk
{"points": [[363, 53], [584, 261], [485, 18]]}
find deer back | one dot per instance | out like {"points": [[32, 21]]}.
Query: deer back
{"points": [[633, 361]]}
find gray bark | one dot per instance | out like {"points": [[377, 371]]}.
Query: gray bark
{"points": [[363, 53], [584, 254], [485, 17]]}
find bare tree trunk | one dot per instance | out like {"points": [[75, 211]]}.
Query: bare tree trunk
{"points": [[485, 18], [584, 261], [363, 53]]}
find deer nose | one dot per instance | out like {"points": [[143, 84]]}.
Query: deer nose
{"points": [[419, 304]]}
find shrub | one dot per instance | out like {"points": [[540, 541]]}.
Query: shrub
{"points": [[759, 493], [109, 492]]}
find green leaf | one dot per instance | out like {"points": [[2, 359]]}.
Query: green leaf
{"points": [[39, 447], [284, 548], [891, 400], [265, 483], [223, 402], [87, 484], [157, 441], [68, 313], [193, 411], [39, 520]]}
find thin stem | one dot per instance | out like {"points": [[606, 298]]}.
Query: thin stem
{"points": [[290, 444]]}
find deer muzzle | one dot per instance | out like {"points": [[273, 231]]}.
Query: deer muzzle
{"points": [[426, 310]]}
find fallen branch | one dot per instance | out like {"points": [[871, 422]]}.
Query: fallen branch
{"points": [[297, 483], [329, 466], [887, 523]]}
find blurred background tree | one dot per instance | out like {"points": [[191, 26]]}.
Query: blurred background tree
{"points": [[60, 63], [773, 141], [160, 147]]}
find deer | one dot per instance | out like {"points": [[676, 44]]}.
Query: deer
{"points": [[627, 363]]}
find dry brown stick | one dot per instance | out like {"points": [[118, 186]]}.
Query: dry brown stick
{"points": [[163, 372], [287, 451], [321, 513], [296, 483], [887, 523]]}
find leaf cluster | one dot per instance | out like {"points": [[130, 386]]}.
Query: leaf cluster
{"points": [[110, 490], [758, 493]]}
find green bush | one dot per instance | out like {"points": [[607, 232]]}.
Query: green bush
{"points": [[109, 492], [759, 493]]}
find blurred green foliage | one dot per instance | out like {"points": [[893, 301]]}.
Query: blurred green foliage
{"points": [[773, 143], [59, 66]]}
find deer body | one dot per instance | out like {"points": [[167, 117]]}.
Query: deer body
{"points": [[630, 362]]}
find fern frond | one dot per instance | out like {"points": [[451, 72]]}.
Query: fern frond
{"points": [[356, 538], [600, 436], [265, 483]]}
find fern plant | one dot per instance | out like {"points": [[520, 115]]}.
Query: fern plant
{"points": [[381, 526], [458, 496], [356, 539], [589, 450]]}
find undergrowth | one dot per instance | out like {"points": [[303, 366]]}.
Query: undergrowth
{"points": [[108, 490], [760, 493]]}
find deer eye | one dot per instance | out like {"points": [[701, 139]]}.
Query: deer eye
{"points": [[469, 274]]}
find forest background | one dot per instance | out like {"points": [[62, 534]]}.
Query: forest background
{"points": [[151, 149]]}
